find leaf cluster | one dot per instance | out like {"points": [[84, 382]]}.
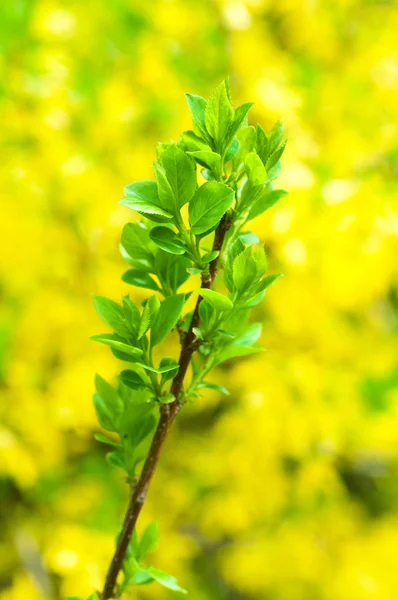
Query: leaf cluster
{"points": [[169, 244]]}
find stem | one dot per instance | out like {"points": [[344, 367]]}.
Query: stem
{"points": [[168, 412]]}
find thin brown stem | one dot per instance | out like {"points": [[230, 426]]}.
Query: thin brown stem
{"points": [[168, 412]]}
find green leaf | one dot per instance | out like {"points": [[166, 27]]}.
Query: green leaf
{"points": [[142, 578], [232, 150], [167, 239], [244, 270], [171, 269], [167, 317], [247, 140], [180, 171], [213, 386], [131, 313], [209, 256], [217, 301], [149, 540], [197, 106], [168, 361], [249, 336], [260, 258], [139, 250], [113, 341], [265, 200], [113, 314], [168, 581], [167, 197], [267, 281], [208, 159], [166, 398], [235, 352], [219, 115], [240, 118], [193, 142], [116, 459], [274, 172], [140, 279], [160, 370], [262, 143], [104, 440], [255, 170], [208, 206], [104, 415], [143, 197], [148, 314], [275, 137], [249, 238], [138, 422], [235, 249], [132, 379], [109, 397], [275, 156]]}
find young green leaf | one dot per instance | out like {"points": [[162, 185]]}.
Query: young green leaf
{"points": [[249, 336], [140, 279], [149, 313], [232, 150], [132, 379], [197, 106], [262, 143], [171, 364], [167, 239], [108, 394], [208, 205], [131, 313], [216, 300], [167, 317], [166, 368], [247, 140], [114, 342], [234, 250], [113, 314], [275, 156], [219, 115], [213, 386], [171, 270], [137, 248], [149, 540], [244, 270], [180, 171], [275, 137], [209, 256], [211, 160], [105, 440], [168, 581], [192, 142], [240, 118], [235, 352], [116, 459], [143, 197], [104, 414], [265, 200], [255, 170]]}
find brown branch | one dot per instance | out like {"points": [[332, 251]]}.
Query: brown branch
{"points": [[168, 412]]}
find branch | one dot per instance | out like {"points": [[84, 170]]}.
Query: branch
{"points": [[168, 412]]}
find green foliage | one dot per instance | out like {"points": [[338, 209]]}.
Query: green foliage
{"points": [[135, 573], [208, 206], [163, 250]]}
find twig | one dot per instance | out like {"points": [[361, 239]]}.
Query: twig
{"points": [[168, 412]]}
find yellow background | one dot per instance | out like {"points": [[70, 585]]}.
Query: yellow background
{"points": [[287, 489]]}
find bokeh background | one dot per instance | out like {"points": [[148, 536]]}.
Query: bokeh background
{"points": [[287, 489]]}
